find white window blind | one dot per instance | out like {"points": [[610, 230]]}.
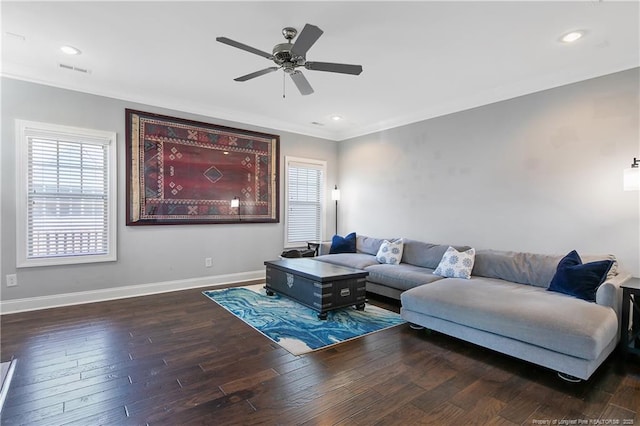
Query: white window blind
{"points": [[69, 203], [305, 201]]}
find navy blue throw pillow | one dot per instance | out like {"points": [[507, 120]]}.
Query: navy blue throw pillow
{"points": [[579, 279], [343, 244]]}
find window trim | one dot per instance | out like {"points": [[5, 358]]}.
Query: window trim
{"points": [[28, 129], [323, 201]]}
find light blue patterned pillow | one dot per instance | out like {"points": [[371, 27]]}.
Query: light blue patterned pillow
{"points": [[390, 252], [455, 264]]}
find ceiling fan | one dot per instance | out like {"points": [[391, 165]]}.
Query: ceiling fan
{"points": [[290, 56]]}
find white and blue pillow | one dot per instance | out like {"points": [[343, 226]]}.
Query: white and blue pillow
{"points": [[390, 252], [455, 264]]}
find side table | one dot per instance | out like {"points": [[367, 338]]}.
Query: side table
{"points": [[315, 245], [630, 336]]}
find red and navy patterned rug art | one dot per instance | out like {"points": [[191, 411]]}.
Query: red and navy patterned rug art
{"points": [[181, 171]]}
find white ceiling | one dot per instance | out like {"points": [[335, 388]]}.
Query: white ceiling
{"points": [[420, 59]]}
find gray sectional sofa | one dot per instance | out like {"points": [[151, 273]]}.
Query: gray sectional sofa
{"points": [[505, 306]]}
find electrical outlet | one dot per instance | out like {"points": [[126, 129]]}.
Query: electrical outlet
{"points": [[12, 280], [208, 262]]}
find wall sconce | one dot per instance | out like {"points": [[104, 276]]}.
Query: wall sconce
{"points": [[335, 196], [632, 176]]}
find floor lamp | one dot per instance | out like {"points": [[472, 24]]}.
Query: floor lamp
{"points": [[335, 196]]}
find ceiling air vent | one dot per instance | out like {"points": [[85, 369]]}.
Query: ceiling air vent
{"points": [[72, 68], [15, 36]]}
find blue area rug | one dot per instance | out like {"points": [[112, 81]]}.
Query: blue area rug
{"points": [[296, 327]]}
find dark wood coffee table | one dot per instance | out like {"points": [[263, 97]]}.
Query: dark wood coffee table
{"points": [[321, 286]]}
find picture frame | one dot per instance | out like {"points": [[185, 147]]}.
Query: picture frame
{"points": [[184, 172]]}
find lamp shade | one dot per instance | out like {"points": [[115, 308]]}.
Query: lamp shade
{"points": [[335, 194], [632, 179]]}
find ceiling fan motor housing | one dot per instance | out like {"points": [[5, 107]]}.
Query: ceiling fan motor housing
{"points": [[282, 53], [282, 56]]}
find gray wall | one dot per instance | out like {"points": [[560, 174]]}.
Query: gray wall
{"points": [[146, 254], [541, 172]]}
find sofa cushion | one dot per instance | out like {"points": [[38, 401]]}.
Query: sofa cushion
{"points": [[579, 279], [343, 244], [390, 252], [369, 245], [521, 312], [524, 268], [425, 254], [613, 272], [455, 264], [401, 277], [351, 260]]}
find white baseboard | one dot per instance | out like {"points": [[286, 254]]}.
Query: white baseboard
{"points": [[67, 299]]}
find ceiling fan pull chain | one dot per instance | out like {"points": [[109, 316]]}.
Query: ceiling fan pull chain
{"points": [[283, 85]]}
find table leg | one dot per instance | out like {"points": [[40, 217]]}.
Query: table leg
{"points": [[624, 331]]}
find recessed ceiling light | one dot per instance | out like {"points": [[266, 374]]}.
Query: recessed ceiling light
{"points": [[572, 36], [336, 118], [70, 50]]}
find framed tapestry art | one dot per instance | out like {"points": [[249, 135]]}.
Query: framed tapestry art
{"points": [[187, 172]]}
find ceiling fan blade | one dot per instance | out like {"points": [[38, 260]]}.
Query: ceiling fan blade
{"points": [[301, 83], [309, 35], [256, 74], [331, 67], [242, 46]]}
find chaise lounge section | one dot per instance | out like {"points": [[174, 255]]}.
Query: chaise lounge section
{"points": [[506, 307]]}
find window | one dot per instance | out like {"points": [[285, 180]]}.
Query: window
{"points": [[305, 183], [66, 195]]}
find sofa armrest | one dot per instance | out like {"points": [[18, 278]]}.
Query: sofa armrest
{"points": [[324, 247], [610, 294]]}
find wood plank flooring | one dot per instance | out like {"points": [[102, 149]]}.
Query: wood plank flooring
{"points": [[179, 358]]}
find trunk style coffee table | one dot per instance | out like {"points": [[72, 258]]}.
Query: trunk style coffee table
{"points": [[318, 285]]}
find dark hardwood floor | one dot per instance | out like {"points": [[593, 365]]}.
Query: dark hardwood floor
{"points": [[179, 358]]}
